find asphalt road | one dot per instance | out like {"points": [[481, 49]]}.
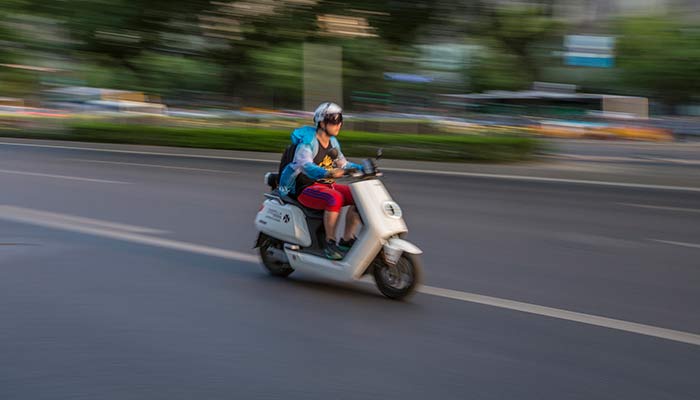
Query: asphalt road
{"points": [[679, 153], [89, 315]]}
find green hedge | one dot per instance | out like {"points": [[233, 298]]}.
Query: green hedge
{"points": [[358, 144]]}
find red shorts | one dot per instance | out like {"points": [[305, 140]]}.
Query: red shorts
{"points": [[329, 197]]}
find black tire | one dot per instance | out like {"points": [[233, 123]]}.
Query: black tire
{"points": [[398, 281], [274, 267]]}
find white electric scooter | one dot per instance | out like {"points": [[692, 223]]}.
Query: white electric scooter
{"points": [[291, 237]]}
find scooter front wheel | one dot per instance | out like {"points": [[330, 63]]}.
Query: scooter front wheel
{"points": [[400, 280]]}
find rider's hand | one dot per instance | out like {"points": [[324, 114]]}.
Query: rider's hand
{"points": [[336, 173]]}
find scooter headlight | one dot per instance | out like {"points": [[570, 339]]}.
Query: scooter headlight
{"points": [[392, 210]]}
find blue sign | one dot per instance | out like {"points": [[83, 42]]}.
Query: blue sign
{"points": [[589, 51], [395, 76], [589, 60]]}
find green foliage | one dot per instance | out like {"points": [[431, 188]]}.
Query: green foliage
{"points": [[172, 73], [106, 76], [660, 56], [281, 69], [17, 83], [155, 73], [364, 64], [398, 22], [120, 29], [517, 27], [511, 35], [9, 37], [457, 148], [496, 69]]}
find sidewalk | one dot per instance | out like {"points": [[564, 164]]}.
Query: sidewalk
{"points": [[549, 167]]}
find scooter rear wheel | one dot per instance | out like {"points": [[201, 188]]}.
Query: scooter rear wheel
{"points": [[273, 266], [400, 280]]}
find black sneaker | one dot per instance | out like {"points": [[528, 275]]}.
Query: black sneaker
{"points": [[346, 245], [332, 251]]}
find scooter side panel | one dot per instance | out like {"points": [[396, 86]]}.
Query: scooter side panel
{"points": [[379, 211], [284, 222]]}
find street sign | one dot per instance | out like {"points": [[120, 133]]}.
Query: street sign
{"points": [[589, 51]]}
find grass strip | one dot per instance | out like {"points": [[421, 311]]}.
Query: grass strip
{"points": [[426, 147]]}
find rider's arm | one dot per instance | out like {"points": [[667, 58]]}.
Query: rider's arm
{"points": [[304, 158], [342, 162]]}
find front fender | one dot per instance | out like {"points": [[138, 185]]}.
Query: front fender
{"points": [[403, 245], [394, 247]]}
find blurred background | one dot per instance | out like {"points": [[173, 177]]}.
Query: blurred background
{"points": [[618, 68], [129, 272]]}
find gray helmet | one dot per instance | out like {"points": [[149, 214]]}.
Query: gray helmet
{"points": [[328, 110]]}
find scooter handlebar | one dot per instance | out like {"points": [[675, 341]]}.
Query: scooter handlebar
{"points": [[369, 170], [357, 173]]}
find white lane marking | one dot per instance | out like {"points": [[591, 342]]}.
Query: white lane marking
{"points": [[153, 166], [578, 157], [675, 160], [70, 223], [72, 178], [682, 209], [151, 153], [648, 330], [419, 171], [633, 327], [683, 244], [593, 158], [30, 214], [27, 216], [544, 179]]}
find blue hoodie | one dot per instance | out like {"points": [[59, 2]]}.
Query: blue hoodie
{"points": [[307, 148]]}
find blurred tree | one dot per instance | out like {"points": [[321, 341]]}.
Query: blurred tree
{"points": [[364, 64], [110, 36], [168, 75], [280, 68], [17, 83], [7, 39], [10, 39], [103, 75], [263, 41], [518, 28], [248, 34], [496, 69], [660, 57], [14, 82], [242, 47], [398, 22], [121, 29]]}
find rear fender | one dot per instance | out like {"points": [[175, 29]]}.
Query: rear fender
{"points": [[262, 238]]}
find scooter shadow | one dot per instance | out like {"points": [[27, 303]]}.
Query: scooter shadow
{"points": [[312, 283]]}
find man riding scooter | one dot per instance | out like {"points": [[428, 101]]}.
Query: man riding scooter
{"points": [[311, 176], [290, 237]]}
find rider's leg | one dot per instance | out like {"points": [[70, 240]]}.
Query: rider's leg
{"points": [[352, 220], [330, 223], [323, 197]]}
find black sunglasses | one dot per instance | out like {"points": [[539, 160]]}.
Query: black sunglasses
{"points": [[333, 119]]}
